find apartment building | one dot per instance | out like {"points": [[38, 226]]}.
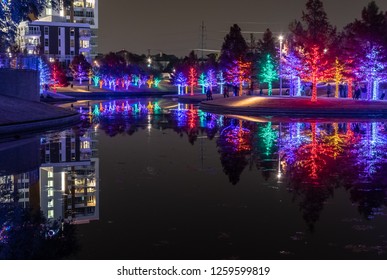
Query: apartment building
{"points": [[57, 40], [86, 11], [69, 176]]}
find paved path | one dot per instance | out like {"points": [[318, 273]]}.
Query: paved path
{"points": [[300, 106], [18, 116]]}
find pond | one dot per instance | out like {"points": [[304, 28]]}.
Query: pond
{"points": [[180, 183]]}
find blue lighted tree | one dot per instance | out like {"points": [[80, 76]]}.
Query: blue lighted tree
{"points": [[44, 73]]}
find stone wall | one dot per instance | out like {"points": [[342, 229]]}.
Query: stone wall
{"points": [[20, 83]]}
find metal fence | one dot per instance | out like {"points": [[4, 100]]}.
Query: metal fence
{"points": [[10, 61]]}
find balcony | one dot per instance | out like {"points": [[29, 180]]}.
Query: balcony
{"points": [[32, 33]]}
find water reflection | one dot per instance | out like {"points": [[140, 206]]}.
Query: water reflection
{"points": [[53, 186], [255, 171], [311, 159]]}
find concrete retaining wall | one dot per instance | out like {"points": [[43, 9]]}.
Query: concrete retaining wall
{"points": [[20, 83]]}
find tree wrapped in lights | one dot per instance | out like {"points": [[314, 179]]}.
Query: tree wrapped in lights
{"points": [[150, 81], [44, 73], [239, 73], [268, 73], [365, 45], [312, 42], [192, 78], [291, 70], [338, 75], [80, 68], [180, 81], [58, 75], [211, 79], [202, 81], [221, 81], [373, 69], [157, 82]]}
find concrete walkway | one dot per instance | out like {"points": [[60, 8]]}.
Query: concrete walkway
{"points": [[295, 106], [18, 116]]}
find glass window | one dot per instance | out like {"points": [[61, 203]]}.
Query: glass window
{"points": [[50, 203], [50, 214], [46, 29], [50, 192]]}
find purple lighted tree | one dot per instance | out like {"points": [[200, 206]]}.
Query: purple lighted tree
{"points": [[291, 70], [80, 68], [180, 81], [211, 79]]}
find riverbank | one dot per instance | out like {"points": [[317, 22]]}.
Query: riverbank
{"points": [[295, 106], [19, 116]]}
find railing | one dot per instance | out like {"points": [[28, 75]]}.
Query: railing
{"points": [[10, 61]]}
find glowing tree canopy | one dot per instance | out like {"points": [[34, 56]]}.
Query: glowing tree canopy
{"points": [[239, 73], [180, 81], [291, 70], [192, 78], [202, 81], [44, 73], [221, 81], [338, 76], [313, 37], [80, 68], [268, 73], [211, 79], [58, 75], [373, 69]]}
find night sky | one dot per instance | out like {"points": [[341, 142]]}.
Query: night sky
{"points": [[174, 26]]}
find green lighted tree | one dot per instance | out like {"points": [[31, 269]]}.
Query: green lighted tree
{"points": [[268, 73]]}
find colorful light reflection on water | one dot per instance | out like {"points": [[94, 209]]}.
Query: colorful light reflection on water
{"points": [[189, 184]]}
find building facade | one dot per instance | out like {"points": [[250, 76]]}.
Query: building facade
{"points": [[86, 11], [57, 40], [69, 176]]}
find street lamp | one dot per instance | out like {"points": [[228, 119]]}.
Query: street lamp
{"points": [[280, 58]]}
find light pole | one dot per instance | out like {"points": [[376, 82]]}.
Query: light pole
{"points": [[280, 63]]}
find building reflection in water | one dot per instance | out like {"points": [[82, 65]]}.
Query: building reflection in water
{"points": [[69, 175]]}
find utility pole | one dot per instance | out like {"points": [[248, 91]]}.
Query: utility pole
{"points": [[203, 29]]}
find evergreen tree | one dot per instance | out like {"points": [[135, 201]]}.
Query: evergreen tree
{"points": [[266, 45], [365, 46], [313, 37], [234, 47]]}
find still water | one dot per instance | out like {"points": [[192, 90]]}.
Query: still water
{"points": [[180, 183]]}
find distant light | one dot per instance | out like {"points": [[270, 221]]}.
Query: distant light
{"points": [[281, 37]]}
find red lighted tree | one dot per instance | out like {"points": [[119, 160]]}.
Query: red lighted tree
{"points": [[58, 75], [192, 78], [313, 36]]}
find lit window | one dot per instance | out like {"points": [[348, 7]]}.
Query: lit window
{"points": [[50, 192], [50, 214], [50, 203]]}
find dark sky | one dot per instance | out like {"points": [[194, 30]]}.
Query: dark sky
{"points": [[174, 26]]}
